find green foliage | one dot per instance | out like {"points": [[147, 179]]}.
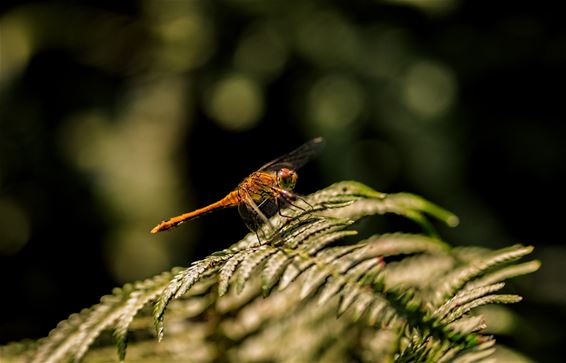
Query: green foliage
{"points": [[398, 297]]}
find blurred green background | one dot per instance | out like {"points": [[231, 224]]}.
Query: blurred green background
{"points": [[117, 114]]}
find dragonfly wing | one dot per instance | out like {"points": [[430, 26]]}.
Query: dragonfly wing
{"points": [[252, 215], [296, 158], [280, 200], [269, 207]]}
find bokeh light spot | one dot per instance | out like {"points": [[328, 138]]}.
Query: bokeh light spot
{"points": [[328, 38], [431, 7], [388, 50], [14, 227], [128, 161], [235, 102], [499, 320], [136, 255], [429, 89], [15, 46], [335, 102], [261, 51], [186, 41]]}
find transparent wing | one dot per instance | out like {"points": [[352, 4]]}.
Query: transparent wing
{"points": [[270, 207], [256, 215], [253, 216], [298, 157]]}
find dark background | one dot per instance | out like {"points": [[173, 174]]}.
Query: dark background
{"points": [[115, 115]]}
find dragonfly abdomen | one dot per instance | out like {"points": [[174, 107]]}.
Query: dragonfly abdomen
{"points": [[230, 200]]}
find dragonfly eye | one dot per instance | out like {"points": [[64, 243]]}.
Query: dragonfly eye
{"points": [[286, 178]]}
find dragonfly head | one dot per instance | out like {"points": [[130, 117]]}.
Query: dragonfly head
{"points": [[286, 178]]}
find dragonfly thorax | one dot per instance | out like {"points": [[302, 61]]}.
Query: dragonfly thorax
{"points": [[286, 178]]}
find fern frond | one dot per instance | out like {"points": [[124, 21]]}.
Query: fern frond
{"points": [[138, 298], [364, 201], [505, 274], [348, 270], [364, 273], [180, 283], [315, 276], [18, 352], [272, 271], [419, 271], [305, 261], [464, 297], [380, 345], [468, 324], [73, 336], [399, 297], [250, 263], [477, 267], [490, 299], [228, 269], [403, 244], [481, 353]]}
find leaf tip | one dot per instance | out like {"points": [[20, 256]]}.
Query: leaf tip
{"points": [[452, 221]]}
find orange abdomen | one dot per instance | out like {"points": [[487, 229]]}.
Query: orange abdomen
{"points": [[230, 200]]}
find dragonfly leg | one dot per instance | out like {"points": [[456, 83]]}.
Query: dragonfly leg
{"points": [[305, 201], [291, 197], [258, 238], [277, 203]]}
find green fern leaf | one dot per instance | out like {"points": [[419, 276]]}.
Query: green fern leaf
{"points": [[227, 270], [476, 354], [72, 337], [343, 266], [505, 274], [143, 293], [273, 269], [291, 272], [402, 243], [477, 267], [490, 299], [468, 324], [315, 276], [367, 269], [59, 341], [400, 297], [79, 332], [179, 285], [250, 263], [465, 296]]}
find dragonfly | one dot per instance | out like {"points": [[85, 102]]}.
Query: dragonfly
{"points": [[262, 194]]}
